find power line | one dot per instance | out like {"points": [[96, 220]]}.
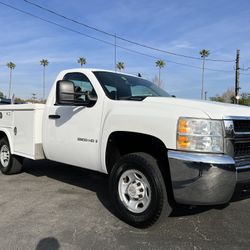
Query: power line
{"points": [[197, 67], [245, 69], [220, 70], [75, 31], [122, 38], [178, 63], [106, 42], [54, 23], [70, 19], [171, 53]]}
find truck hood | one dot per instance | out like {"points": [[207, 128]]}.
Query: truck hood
{"points": [[215, 110]]}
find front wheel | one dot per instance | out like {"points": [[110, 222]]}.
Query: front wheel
{"points": [[138, 190], [9, 164]]}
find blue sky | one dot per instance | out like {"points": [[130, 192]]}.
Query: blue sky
{"points": [[178, 26]]}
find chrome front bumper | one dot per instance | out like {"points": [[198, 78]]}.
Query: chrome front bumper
{"points": [[204, 179]]}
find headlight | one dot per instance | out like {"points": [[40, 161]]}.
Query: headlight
{"points": [[200, 135]]}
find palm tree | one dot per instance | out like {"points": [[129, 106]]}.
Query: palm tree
{"points": [[120, 66], [11, 66], [44, 63], [204, 53], [82, 61], [160, 64]]}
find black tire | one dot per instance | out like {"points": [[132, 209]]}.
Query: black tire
{"points": [[157, 205], [14, 163]]}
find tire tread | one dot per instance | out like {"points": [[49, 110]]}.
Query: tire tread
{"points": [[151, 166], [16, 162]]}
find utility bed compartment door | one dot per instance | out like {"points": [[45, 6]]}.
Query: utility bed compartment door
{"points": [[6, 117], [27, 133], [23, 125]]}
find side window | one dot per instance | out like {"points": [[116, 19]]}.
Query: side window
{"points": [[140, 90], [81, 84], [112, 91]]}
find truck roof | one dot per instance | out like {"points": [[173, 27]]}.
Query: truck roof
{"points": [[84, 70]]}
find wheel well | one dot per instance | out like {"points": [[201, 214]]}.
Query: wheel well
{"points": [[122, 143], [2, 135]]}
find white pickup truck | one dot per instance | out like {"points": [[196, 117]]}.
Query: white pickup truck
{"points": [[157, 150]]}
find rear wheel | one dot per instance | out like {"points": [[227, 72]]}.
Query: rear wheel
{"points": [[138, 190], [9, 164]]}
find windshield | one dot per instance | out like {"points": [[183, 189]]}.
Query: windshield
{"points": [[123, 87]]}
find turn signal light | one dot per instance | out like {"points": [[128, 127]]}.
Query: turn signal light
{"points": [[182, 126], [183, 141]]}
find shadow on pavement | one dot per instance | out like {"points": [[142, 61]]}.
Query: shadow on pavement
{"points": [[185, 210], [87, 179], [49, 243], [96, 182]]}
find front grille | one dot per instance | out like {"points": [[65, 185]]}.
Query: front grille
{"points": [[238, 130], [242, 149], [241, 126]]}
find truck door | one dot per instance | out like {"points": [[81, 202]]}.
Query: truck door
{"points": [[72, 132]]}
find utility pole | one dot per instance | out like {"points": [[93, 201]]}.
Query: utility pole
{"points": [[237, 76]]}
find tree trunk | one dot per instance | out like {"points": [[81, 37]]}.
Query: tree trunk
{"points": [[10, 83], [159, 79], [43, 83], [202, 80]]}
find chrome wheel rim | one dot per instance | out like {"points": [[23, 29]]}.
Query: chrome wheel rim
{"points": [[134, 191], [5, 156]]}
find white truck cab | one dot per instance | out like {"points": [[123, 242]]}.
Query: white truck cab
{"points": [[156, 149]]}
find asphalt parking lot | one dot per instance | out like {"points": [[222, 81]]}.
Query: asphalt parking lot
{"points": [[55, 206]]}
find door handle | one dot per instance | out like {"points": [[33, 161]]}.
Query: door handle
{"points": [[54, 116]]}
